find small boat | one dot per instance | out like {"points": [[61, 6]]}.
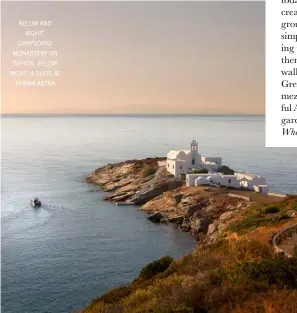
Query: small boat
{"points": [[36, 202]]}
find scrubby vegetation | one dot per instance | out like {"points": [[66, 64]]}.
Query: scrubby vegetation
{"points": [[271, 209], [200, 171], [227, 276], [233, 275], [225, 170], [148, 171], [264, 215], [169, 174], [156, 267]]}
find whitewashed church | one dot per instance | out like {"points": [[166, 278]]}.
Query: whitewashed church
{"points": [[184, 161], [181, 162]]}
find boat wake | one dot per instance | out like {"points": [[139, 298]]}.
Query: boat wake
{"points": [[29, 218], [15, 215]]}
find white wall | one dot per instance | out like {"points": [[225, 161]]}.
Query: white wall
{"points": [[256, 181], [171, 166], [230, 181], [210, 167], [192, 178], [225, 180], [252, 180], [261, 188], [217, 160], [177, 167], [202, 181], [181, 168], [208, 179]]}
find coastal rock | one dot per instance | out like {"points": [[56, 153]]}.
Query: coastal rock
{"points": [[176, 219], [136, 181], [119, 196], [198, 206], [186, 225], [147, 193], [164, 220], [203, 211], [178, 198], [155, 217], [226, 216], [212, 227], [206, 214], [200, 224]]}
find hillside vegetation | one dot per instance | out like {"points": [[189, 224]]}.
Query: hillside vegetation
{"points": [[238, 273]]}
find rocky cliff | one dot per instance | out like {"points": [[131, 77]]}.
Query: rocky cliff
{"points": [[233, 269], [203, 211], [136, 181]]}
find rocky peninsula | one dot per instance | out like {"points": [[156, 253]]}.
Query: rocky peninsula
{"points": [[245, 262], [205, 212], [135, 181]]}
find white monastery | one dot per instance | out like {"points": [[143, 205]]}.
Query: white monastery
{"points": [[184, 162]]}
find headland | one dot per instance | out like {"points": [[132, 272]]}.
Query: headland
{"points": [[245, 260]]}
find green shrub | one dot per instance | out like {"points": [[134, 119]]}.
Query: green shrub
{"points": [[169, 175], [217, 276], [279, 271], [249, 223], [148, 171], [256, 216], [225, 170], [155, 267], [271, 209], [200, 171]]}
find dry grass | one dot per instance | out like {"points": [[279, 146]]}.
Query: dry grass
{"points": [[274, 301], [222, 277], [236, 274]]}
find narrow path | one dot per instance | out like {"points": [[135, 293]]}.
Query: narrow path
{"points": [[288, 244]]}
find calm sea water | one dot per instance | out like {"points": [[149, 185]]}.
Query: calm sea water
{"points": [[57, 258]]}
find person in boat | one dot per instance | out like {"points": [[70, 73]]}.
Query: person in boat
{"points": [[36, 201]]}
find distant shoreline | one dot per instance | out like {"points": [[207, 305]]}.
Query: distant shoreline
{"points": [[10, 115]]}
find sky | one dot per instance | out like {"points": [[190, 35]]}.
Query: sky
{"points": [[139, 57]]}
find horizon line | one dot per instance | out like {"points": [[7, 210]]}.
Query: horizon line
{"points": [[125, 114]]}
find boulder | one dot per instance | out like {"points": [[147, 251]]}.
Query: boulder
{"points": [[176, 219], [196, 207], [192, 209], [164, 220], [150, 192], [200, 224], [226, 216], [212, 227], [178, 198], [155, 217], [186, 225]]}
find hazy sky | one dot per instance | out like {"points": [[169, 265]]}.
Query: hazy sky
{"points": [[141, 57]]}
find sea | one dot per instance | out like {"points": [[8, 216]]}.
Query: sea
{"points": [[76, 247]]}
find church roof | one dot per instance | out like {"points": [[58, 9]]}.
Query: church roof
{"points": [[173, 154]]}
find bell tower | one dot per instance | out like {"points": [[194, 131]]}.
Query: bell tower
{"points": [[194, 146], [195, 157]]}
